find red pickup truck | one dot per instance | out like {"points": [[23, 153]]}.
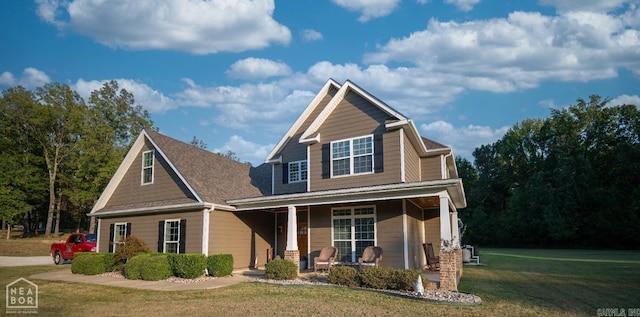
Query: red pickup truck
{"points": [[77, 242]]}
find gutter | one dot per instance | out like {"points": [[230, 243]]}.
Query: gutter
{"points": [[160, 209]]}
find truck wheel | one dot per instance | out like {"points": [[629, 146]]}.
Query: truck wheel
{"points": [[57, 258]]}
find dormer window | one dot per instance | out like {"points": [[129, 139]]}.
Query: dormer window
{"points": [[352, 156], [297, 171], [147, 167]]}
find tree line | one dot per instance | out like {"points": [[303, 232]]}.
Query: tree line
{"points": [[58, 151], [570, 180]]}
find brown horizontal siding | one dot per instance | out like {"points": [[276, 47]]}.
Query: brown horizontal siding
{"points": [[389, 231], [146, 228], [411, 161], [432, 228], [244, 235], [414, 229], [431, 168], [319, 230], [166, 185]]}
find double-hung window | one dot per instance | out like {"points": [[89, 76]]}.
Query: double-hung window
{"points": [[297, 171], [119, 234], [353, 229], [171, 236], [147, 167], [352, 156]]}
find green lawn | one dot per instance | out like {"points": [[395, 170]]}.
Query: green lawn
{"points": [[513, 282]]}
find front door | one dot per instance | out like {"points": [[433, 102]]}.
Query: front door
{"points": [[302, 238]]}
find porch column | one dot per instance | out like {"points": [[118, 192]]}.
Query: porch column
{"points": [[292, 253], [455, 232], [448, 269]]}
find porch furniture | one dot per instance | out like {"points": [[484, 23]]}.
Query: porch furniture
{"points": [[325, 260], [433, 262], [371, 256]]}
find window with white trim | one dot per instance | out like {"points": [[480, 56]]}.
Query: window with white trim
{"points": [[147, 167], [172, 236], [353, 229], [119, 234], [297, 171], [352, 156]]}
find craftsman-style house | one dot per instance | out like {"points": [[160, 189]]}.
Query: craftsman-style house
{"points": [[351, 172]]}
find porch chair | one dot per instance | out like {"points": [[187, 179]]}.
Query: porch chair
{"points": [[433, 261], [324, 261], [371, 256]]}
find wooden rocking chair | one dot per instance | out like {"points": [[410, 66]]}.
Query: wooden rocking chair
{"points": [[433, 262]]}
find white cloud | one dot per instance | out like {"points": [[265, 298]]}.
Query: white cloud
{"points": [[585, 5], [150, 99], [625, 100], [31, 78], [464, 140], [310, 35], [246, 150], [369, 9], [199, 27], [464, 5], [258, 68]]}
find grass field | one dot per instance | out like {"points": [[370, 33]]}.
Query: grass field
{"points": [[514, 282], [17, 246]]}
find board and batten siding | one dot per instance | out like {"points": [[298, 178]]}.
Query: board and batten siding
{"points": [[244, 235], [166, 184], [146, 228], [431, 168], [411, 161], [355, 117], [432, 228]]}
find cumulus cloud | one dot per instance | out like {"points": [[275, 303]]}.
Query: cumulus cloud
{"points": [[585, 5], [369, 9], [199, 27], [625, 100], [246, 151], [464, 5], [464, 140], [258, 68], [31, 78], [310, 35], [150, 99]]}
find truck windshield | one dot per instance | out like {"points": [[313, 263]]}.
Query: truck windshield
{"points": [[91, 238]]}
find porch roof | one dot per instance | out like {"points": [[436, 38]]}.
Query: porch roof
{"points": [[411, 190]]}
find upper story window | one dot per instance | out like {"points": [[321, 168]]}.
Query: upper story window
{"points": [[297, 171], [352, 156], [147, 167]]}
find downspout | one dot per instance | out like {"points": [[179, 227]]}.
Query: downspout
{"points": [[444, 165]]}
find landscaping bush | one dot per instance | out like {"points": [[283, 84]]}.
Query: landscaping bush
{"points": [[90, 263], [376, 277], [402, 280], [134, 265], [156, 268], [188, 265], [220, 264], [132, 246], [281, 269], [344, 275]]}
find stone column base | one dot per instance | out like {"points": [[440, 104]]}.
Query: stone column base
{"points": [[448, 271], [293, 256]]}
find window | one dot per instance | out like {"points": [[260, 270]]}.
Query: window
{"points": [[171, 236], [119, 235], [147, 167], [297, 171], [352, 156], [353, 230]]}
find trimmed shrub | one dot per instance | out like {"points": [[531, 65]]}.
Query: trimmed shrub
{"points": [[220, 264], [134, 265], [344, 275], [376, 277], [402, 280], [281, 269], [188, 265], [156, 268], [132, 246], [90, 263]]}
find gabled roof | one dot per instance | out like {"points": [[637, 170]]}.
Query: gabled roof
{"points": [[315, 102], [311, 133], [211, 178]]}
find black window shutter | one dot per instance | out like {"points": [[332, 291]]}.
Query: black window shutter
{"points": [[161, 236], [326, 161], [128, 230], [112, 228], [183, 235], [378, 154], [285, 173]]}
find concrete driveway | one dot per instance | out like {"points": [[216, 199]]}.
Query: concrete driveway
{"points": [[25, 260]]}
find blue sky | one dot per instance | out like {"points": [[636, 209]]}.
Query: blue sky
{"points": [[237, 73]]}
